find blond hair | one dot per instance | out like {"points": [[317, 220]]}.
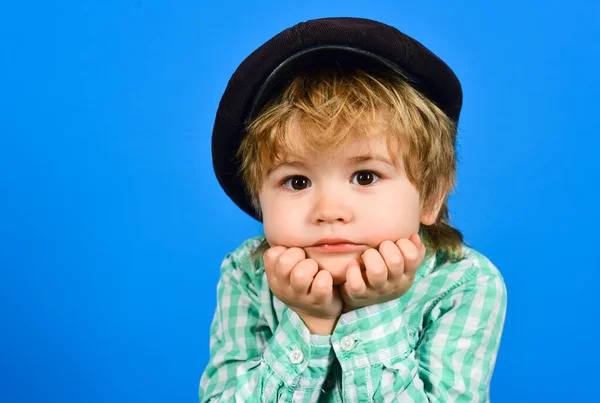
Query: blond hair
{"points": [[332, 108]]}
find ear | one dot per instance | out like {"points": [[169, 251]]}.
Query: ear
{"points": [[430, 217]]}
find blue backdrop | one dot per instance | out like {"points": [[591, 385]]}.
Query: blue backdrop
{"points": [[113, 225]]}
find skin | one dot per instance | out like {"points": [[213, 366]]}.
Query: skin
{"points": [[356, 194]]}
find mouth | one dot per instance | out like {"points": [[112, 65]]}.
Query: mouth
{"points": [[336, 245]]}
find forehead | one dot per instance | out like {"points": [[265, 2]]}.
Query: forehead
{"points": [[353, 149], [358, 145]]}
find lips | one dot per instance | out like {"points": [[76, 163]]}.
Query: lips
{"points": [[333, 241], [337, 245]]}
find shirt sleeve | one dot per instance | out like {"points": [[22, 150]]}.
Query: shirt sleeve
{"points": [[452, 362], [249, 362]]}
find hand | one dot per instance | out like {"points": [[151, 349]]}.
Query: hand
{"points": [[299, 284], [389, 273]]}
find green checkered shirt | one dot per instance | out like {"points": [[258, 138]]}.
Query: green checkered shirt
{"points": [[438, 342]]}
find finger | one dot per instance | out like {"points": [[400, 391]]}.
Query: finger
{"points": [[376, 270], [286, 262], [303, 275], [416, 239], [270, 259], [392, 256], [413, 254], [420, 245], [355, 284], [322, 286]]}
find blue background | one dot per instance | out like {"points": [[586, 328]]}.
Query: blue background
{"points": [[113, 225]]}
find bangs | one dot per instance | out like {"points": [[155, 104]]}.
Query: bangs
{"points": [[301, 137], [324, 113]]}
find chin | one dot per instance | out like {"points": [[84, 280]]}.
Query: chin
{"points": [[336, 265]]}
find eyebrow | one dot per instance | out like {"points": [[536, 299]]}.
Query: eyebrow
{"points": [[352, 160], [365, 158], [284, 163]]}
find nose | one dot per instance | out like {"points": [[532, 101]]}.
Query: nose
{"points": [[330, 208]]}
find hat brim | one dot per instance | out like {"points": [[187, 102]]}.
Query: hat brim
{"points": [[317, 58]]}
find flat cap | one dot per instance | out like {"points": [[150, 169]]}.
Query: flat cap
{"points": [[322, 43]]}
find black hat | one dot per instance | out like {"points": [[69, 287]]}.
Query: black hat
{"points": [[315, 44]]}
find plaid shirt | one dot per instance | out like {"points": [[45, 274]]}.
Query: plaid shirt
{"points": [[438, 342]]}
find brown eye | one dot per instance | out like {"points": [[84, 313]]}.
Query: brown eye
{"points": [[365, 178], [297, 182]]}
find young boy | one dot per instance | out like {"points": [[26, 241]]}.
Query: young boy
{"points": [[339, 135]]}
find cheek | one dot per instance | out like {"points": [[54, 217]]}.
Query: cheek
{"points": [[394, 216], [281, 224]]}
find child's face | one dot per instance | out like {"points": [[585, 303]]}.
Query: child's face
{"points": [[348, 195]]}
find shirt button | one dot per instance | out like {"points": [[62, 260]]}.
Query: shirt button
{"points": [[347, 343], [296, 357]]}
